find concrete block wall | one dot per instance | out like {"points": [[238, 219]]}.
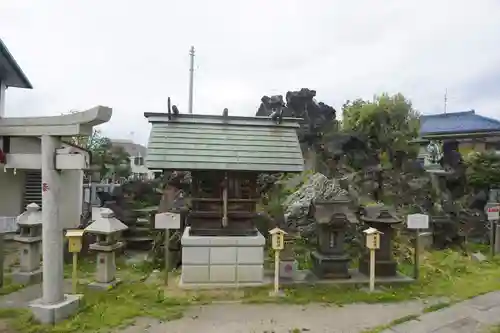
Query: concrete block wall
{"points": [[222, 260]]}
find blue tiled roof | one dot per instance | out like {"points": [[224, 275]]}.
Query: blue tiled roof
{"points": [[456, 123]]}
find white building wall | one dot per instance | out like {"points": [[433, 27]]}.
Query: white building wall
{"points": [[11, 192]]}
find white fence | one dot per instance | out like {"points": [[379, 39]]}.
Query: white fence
{"points": [[8, 224], [94, 189]]}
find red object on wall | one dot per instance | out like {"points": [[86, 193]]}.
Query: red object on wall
{"points": [[3, 158]]}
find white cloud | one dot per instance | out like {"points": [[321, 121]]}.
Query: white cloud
{"points": [[132, 55]]}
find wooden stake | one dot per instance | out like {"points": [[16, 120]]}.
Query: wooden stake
{"points": [[372, 270], [276, 272], [167, 254], [416, 268], [2, 254], [74, 277]]}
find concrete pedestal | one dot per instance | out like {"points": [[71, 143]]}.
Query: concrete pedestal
{"points": [[330, 266], [105, 276], [222, 261], [53, 313], [29, 271]]}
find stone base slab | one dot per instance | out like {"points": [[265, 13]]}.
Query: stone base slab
{"points": [[222, 261], [330, 266], [104, 285], [27, 278], [53, 313]]}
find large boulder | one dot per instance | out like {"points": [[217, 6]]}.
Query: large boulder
{"points": [[297, 205]]}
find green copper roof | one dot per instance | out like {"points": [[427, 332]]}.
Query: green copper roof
{"points": [[208, 142]]}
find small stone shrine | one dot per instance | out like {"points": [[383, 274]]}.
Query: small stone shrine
{"points": [[224, 154], [107, 228], [382, 219], [330, 260], [30, 239]]}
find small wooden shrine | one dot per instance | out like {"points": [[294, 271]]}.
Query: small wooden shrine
{"points": [[224, 154]]}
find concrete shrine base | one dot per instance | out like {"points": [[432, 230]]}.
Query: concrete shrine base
{"points": [[53, 313], [357, 278], [222, 261], [27, 278], [306, 277]]}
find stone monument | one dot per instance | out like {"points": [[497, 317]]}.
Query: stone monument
{"points": [[30, 240], [107, 228], [330, 260], [382, 219]]}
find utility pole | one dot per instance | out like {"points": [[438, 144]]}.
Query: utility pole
{"points": [[445, 100], [191, 76]]}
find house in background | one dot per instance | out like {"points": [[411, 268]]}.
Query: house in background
{"points": [[20, 161], [137, 154], [472, 131]]}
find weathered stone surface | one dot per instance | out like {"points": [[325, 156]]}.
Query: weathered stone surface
{"points": [[317, 187]]}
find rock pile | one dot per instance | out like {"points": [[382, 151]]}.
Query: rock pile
{"points": [[297, 205]]}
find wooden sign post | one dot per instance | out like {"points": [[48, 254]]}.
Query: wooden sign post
{"points": [[417, 222], [493, 215], [373, 244], [75, 240], [167, 221], [278, 244]]}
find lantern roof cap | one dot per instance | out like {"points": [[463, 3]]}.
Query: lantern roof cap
{"points": [[379, 213], [31, 217], [106, 223], [75, 233], [372, 231], [277, 231]]}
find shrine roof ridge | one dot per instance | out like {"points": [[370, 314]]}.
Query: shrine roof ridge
{"points": [[161, 117]]}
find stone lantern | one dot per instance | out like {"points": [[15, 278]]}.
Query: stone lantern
{"points": [[29, 238], [333, 217], [107, 228], [382, 219]]}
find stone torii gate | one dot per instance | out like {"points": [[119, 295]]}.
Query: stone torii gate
{"points": [[54, 304]]}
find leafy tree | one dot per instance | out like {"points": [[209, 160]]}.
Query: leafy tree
{"points": [[483, 170], [108, 160], [388, 123]]}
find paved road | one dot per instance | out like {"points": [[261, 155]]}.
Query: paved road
{"points": [[273, 318], [472, 316]]}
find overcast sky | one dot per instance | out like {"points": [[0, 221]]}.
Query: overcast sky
{"points": [[132, 55]]}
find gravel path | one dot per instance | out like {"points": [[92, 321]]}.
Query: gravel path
{"points": [[273, 318]]}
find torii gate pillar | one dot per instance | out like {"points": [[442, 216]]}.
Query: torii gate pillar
{"points": [[54, 304]]}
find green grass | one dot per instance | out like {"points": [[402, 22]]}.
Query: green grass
{"points": [[446, 274], [103, 310], [9, 286], [495, 329], [438, 306], [395, 322]]}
